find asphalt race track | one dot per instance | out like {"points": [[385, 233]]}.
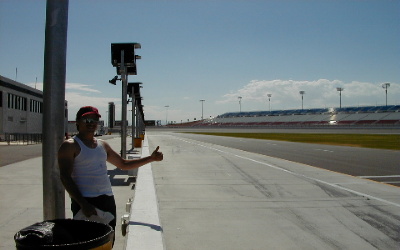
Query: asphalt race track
{"points": [[375, 164], [230, 193]]}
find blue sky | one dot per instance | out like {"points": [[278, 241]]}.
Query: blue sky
{"points": [[215, 50]]}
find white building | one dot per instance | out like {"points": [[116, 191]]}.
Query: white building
{"points": [[21, 108]]}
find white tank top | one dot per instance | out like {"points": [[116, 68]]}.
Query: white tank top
{"points": [[90, 170]]}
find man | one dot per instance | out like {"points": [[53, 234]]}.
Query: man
{"points": [[83, 170]]}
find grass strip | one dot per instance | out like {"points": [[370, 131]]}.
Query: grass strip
{"points": [[353, 140]]}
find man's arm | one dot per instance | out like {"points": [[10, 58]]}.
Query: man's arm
{"points": [[115, 159], [66, 155]]}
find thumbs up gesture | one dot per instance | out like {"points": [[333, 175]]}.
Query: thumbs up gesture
{"points": [[157, 156]]}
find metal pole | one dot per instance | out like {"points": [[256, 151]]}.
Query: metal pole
{"points": [[53, 113], [137, 121], [302, 92], [166, 115], [124, 81], [340, 96], [202, 101], [269, 104], [202, 110], [302, 102], [386, 86], [133, 120], [386, 95]]}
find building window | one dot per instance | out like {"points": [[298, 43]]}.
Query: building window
{"points": [[16, 102], [36, 106]]}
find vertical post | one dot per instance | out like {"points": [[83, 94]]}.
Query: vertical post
{"points": [[386, 86], [166, 115], [124, 81], [53, 112], [202, 114], [386, 95], [269, 100], [302, 94], [133, 119], [202, 102], [340, 96], [137, 121]]}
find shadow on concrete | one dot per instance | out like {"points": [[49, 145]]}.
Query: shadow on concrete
{"points": [[124, 180], [152, 226]]}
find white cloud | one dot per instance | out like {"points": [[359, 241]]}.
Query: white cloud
{"points": [[77, 100], [285, 95], [79, 95], [318, 94], [68, 86], [80, 87]]}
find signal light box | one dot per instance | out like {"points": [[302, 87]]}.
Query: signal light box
{"points": [[129, 70], [129, 54]]}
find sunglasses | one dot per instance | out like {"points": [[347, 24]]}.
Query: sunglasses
{"points": [[89, 120]]}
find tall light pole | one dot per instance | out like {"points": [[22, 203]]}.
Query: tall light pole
{"points": [[124, 59], [340, 96], [166, 115], [386, 86], [302, 94], [54, 76], [269, 100], [240, 104], [202, 101], [124, 100]]}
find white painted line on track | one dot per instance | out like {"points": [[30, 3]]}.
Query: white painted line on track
{"points": [[379, 176], [297, 174], [325, 150]]}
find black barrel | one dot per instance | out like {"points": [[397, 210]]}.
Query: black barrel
{"points": [[65, 234]]}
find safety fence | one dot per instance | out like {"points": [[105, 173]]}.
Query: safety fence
{"points": [[20, 138]]}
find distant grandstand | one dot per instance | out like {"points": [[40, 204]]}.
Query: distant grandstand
{"points": [[372, 116]]}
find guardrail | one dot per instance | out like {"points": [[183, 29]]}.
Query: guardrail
{"points": [[20, 138]]}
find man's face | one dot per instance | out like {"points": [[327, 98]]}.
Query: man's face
{"points": [[88, 123]]}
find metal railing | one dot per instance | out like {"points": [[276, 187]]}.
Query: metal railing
{"points": [[20, 138]]}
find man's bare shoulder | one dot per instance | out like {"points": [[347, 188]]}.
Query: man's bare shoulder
{"points": [[69, 145], [70, 141]]}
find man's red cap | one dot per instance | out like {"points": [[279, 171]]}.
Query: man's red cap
{"points": [[87, 110]]}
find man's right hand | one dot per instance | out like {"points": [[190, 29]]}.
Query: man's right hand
{"points": [[88, 209]]}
